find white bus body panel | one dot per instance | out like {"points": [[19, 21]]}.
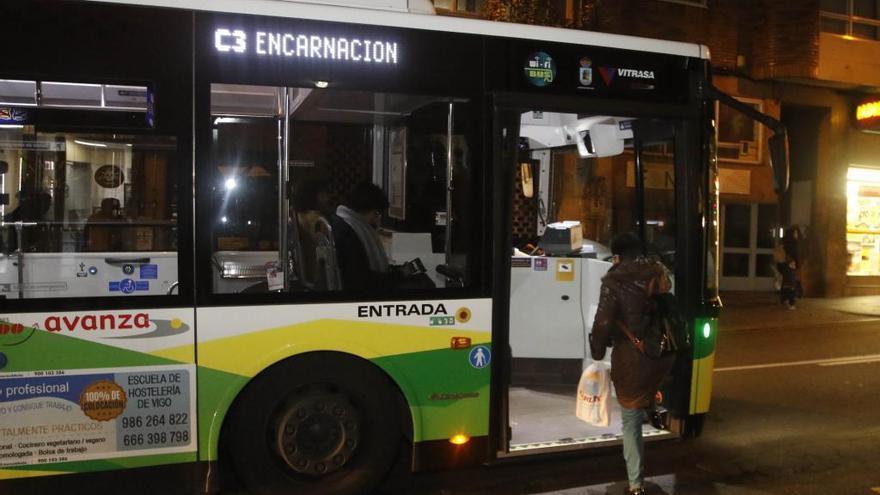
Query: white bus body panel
{"points": [[50, 275]]}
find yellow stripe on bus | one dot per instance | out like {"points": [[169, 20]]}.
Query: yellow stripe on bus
{"points": [[701, 384], [250, 353], [182, 354], [9, 474]]}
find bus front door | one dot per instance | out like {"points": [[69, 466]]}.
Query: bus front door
{"points": [[575, 181]]}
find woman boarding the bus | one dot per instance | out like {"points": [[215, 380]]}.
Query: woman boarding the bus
{"points": [[624, 303]]}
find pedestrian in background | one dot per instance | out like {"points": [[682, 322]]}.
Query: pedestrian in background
{"points": [[625, 300], [787, 258]]}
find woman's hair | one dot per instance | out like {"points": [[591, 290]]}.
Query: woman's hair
{"points": [[367, 196], [626, 245], [307, 194]]}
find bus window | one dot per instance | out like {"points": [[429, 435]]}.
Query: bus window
{"points": [[347, 190], [659, 183], [86, 214]]}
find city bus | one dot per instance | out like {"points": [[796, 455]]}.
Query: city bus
{"points": [[176, 177]]}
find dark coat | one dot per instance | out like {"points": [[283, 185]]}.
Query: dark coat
{"points": [[624, 298], [354, 267]]}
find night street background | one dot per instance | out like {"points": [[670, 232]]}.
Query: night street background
{"points": [[812, 427]]}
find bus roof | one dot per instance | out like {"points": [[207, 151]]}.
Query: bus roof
{"points": [[385, 15]]}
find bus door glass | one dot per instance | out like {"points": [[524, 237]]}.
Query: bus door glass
{"points": [[579, 180]]}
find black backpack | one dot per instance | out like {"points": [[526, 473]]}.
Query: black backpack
{"points": [[668, 325], [666, 331]]}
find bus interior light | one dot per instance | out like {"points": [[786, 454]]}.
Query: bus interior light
{"points": [[93, 144], [460, 439], [321, 84]]}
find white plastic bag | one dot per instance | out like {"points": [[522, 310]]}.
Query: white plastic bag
{"points": [[593, 393]]}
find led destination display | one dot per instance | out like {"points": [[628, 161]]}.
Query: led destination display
{"points": [[305, 46]]}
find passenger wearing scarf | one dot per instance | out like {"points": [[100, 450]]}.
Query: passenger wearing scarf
{"points": [[362, 260]]}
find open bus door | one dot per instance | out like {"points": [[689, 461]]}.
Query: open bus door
{"points": [[575, 180], [571, 181]]}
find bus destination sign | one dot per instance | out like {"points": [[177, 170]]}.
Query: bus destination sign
{"points": [[305, 46]]}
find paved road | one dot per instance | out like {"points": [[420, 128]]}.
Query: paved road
{"points": [[796, 410]]}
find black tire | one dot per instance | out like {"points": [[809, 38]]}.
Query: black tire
{"points": [[320, 423], [693, 425]]}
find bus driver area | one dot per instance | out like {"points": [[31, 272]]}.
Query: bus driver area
{"points": [[575, 188]]}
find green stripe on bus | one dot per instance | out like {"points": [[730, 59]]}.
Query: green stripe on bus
{"points": [[217, 389], [52, 351], [449, 395], [445, 393], [110, 464]]}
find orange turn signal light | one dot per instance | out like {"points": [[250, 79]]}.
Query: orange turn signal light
{"points": [[460, 439], [460, 342]]}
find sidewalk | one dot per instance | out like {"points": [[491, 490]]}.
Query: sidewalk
{"points": [[755, 310]]}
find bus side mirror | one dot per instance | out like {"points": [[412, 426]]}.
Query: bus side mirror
{"points": [[779, 160]]}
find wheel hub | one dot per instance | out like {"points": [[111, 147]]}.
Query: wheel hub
{"points": [[317, 432]]}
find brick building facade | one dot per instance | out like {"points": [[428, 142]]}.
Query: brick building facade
{"points": [[810, 68]]}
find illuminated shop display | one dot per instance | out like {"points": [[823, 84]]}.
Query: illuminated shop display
{"points": [[863, 221], [868, 115]]}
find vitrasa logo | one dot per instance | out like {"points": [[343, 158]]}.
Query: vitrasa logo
{"points": [[115, 325], [609, 73], [637, 74]]}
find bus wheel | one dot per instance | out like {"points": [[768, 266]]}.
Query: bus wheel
{"points": [[693, 425], [315, 424], [317, 431]]}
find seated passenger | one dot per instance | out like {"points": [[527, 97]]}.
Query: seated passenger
{"points": [[309, 199], [363, 262], [100, 233]]}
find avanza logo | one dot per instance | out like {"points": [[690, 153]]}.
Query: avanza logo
{"points": [[107, 322]]}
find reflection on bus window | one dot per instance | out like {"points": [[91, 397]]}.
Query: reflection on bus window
{"points": [[309, 236], [659, 180], [82, 212]]}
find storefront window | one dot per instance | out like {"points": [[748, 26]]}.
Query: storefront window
{"points": [[863, 221]]}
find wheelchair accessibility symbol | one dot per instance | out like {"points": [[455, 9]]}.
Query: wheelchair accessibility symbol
{"points": [[480, 357]]}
